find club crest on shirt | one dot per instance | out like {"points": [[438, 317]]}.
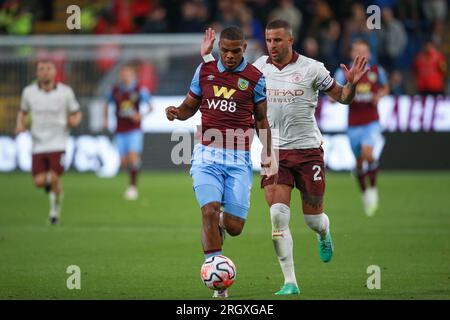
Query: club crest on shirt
{"points": [[297, 77], [134, 96], [242, 84], [372, 76]]}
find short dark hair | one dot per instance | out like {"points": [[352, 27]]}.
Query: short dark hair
{"points": [[279, 23], [232, 33]]}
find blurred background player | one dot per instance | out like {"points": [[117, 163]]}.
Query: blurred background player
{"points": [[430, 66], [127, 98], [230, 94], [363, 124], [293, 83], [53, 109]]}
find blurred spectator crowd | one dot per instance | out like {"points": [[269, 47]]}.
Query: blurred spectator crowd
{"points": [[413, 39]]}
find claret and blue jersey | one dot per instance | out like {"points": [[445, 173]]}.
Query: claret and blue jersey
{"points": [[223, 172], [363, 119], [228, 98], [126, 101]]}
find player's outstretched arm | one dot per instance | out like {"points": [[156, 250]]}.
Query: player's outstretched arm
{"points": [[208, 42], [269, 165], [21, 122], [74, 119], [345, 94], [184, 111]]}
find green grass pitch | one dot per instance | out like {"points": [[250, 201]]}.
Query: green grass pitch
{"points": [[150, 248]]}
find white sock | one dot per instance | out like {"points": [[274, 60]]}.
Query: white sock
{"points": [[318, 222], [280, 215], [54, 204]]}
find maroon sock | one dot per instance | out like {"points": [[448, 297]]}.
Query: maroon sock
{"points": [[133, 177], [361, 176], [372, 174]]}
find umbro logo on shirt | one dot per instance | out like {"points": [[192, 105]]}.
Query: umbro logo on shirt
{"points": [[210, 77]]}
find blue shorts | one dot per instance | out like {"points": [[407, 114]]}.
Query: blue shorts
{"points": [[131, 141], [222, 175], [363, 135]]}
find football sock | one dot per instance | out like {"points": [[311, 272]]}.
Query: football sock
{"points": [[54, 204], [372, 173], [133, 172], [318, 222], [282, 240], [212, 253], [361, 176]]}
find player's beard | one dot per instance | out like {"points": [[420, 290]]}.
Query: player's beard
{"points": [[281, 55], [45, 82]]}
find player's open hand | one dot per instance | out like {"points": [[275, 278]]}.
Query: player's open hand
{"points": [[208, 42], [357, 71], [172, 113]]}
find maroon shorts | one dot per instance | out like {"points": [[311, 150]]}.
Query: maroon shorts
{"points": [[44, 162], [301, 168]]}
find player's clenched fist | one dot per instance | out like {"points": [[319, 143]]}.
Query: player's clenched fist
{"points": [[172, 113]]}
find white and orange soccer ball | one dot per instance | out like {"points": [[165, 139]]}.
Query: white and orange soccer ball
{"points": [[218, 272]]}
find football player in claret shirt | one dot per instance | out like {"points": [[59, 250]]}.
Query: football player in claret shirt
{"points": [[54, 111], [293, 83], [230, 94], [363, 124], [128, 97]]}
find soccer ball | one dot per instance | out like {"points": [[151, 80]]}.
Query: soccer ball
{"points": [[218, 272]]}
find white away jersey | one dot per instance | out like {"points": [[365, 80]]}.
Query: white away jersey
{"points": [[49, 113], [292, 95]]}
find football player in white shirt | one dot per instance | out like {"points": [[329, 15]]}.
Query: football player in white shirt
{"points": [[54, 109], [293, 82]]}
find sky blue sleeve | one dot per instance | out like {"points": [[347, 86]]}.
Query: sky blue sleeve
{"points": [[195, 83], [339, 77], [260, 90], [382, 76], [145, 95]]}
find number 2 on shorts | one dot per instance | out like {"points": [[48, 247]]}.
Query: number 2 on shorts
{"points": [[317, 176]]}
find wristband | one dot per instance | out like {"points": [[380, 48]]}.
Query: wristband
{"points": [[208, 58]]}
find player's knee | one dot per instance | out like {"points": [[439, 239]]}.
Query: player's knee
{"points": [[54, 176], [367, 154], [134, 163], [39, 181], [280, 215], [210, 212]]}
